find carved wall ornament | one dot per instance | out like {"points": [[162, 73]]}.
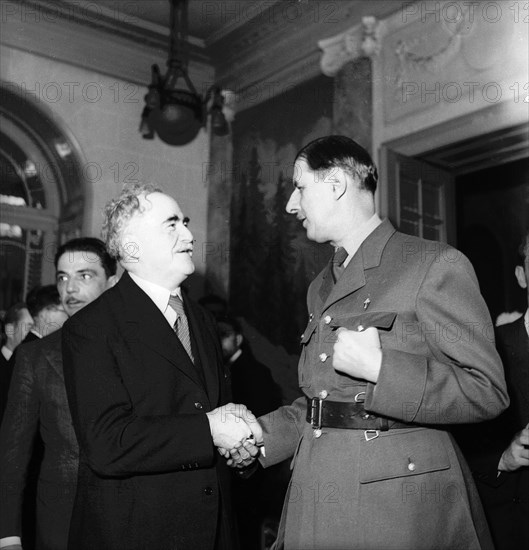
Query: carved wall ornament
{"points": [[358, 41]]}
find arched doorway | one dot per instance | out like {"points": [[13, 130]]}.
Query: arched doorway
{"points": [[41, 193]]}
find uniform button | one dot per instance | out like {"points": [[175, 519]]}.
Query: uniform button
{"points": [[317, 433], [323, 394], [323, 357], [411, 466], [302, 336], [198, 405], [327, 319], [311, 316], [208, 491], [360, 328]]}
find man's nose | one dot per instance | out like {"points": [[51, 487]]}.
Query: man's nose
{"points": [[293, 202], [71, 286], [186, 235]]}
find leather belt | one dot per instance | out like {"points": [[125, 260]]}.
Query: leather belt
{"points": [[348, 415]]}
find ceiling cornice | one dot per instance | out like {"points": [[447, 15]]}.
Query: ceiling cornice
{"points": [[95, 41]]}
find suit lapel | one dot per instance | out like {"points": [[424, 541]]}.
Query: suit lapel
{"points": [[367, 256], [206, 351], [144, 323]]}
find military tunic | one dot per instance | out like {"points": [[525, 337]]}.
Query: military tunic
{"points": [[408, 488]]}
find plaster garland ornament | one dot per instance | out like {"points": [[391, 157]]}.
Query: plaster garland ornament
{"points": [[408, 60]]}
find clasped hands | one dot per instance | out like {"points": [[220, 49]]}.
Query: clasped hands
{"points": [[236, 434]]}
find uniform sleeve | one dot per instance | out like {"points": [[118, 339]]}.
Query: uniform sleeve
{"points": [[445, 368], [281, 431], [115, 440], [17, 435]]}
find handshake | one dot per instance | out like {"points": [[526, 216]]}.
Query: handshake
{"points": [[236, 434]]}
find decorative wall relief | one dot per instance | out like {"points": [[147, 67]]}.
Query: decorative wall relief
{"points": [[453, 52]]}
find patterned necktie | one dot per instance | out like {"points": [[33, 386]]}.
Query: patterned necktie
{"points": [[181, 326], [337, 267]]}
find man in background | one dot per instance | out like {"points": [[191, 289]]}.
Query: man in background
{"points": [[37, 411], [251, 382], [44, 306], [258, 498], [498, 451], [16, 324]]}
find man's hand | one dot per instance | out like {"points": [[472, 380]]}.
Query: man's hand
{"points": [[231, 425], [516, 455], [243, 454], [358, 353]]}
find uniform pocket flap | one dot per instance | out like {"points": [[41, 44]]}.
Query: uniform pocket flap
{"points": [[382, 320], [402, 455]]}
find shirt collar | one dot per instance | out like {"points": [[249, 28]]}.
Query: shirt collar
{"points": [[360, 235], [6, 352], [158, 294]]}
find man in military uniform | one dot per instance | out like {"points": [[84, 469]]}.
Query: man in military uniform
{"points": [[398, 345]]}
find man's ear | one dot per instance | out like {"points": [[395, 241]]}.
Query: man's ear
{"points": [[339, 181], [239, 338], [520, 276]]}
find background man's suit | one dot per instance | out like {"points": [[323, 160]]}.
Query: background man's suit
{"points": [[6, 370], [38, 405], [405, 488], [149, 475], [505, 495]]}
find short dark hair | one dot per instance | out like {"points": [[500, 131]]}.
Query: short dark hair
{"points": [[341, 152], [42, 297], [12, 315], [92, 245]]}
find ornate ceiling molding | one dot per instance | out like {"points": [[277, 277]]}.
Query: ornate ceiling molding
{"points": [[362, 40], [101, 41]]}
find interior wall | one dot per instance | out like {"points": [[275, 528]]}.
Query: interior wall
{"points": [[102, 113]]}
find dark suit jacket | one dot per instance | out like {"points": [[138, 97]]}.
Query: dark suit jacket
{"points": [[37, 405], [505, 496], [149, 474], [6, 369]]}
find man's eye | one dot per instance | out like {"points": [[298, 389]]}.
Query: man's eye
{"points": [[86, 276], [61, 278], [186, 221]]}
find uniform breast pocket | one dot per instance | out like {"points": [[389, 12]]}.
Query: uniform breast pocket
{"points": [[382, 320], [402, 453]]}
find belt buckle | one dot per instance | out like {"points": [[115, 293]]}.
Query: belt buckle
{"points": [[315, 413], [371, 434]]}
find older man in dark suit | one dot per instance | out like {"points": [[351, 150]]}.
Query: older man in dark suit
{"points": [[396, 347], [38, 408], [498, 451], [146, 402]]}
